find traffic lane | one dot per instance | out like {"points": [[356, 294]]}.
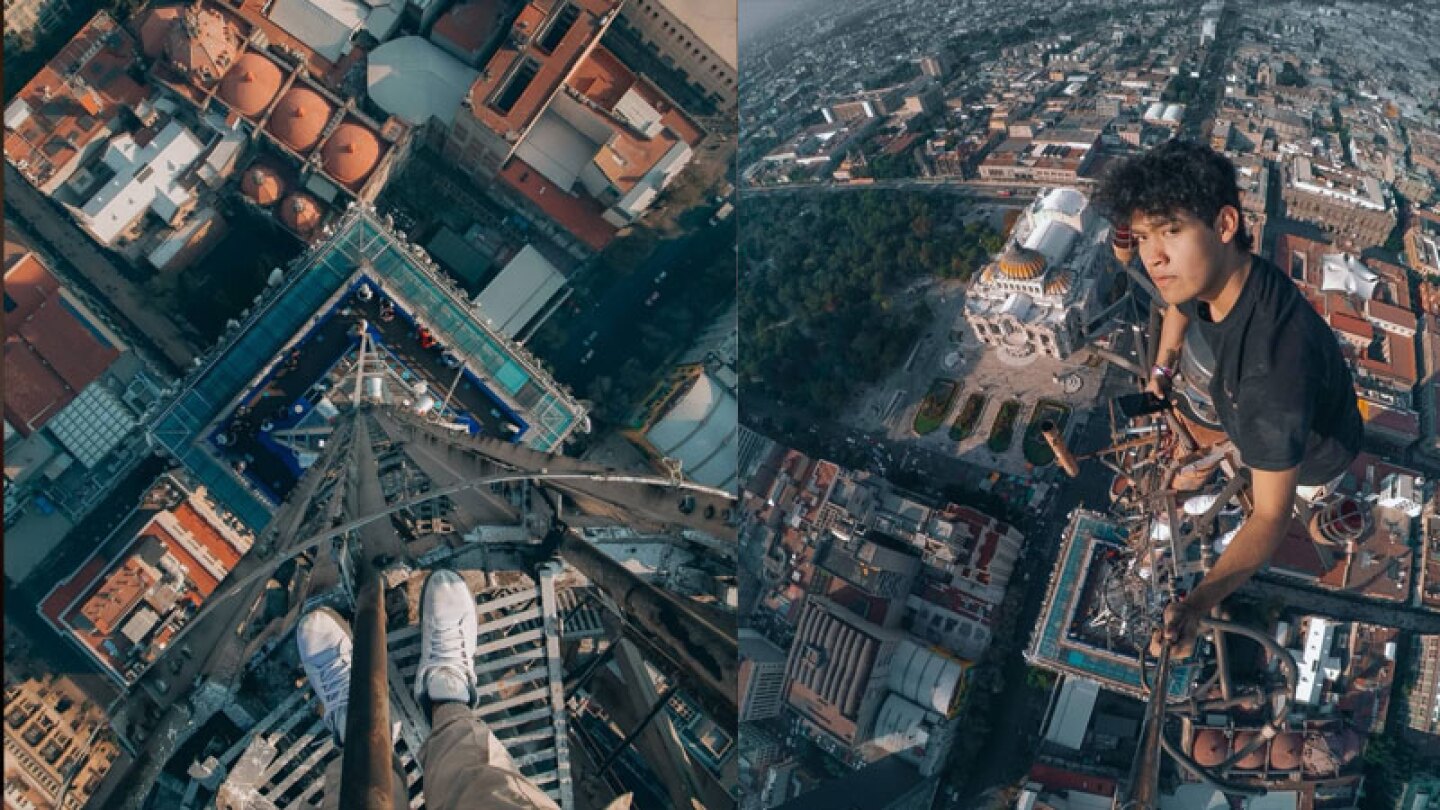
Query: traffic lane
{"points": [[610, 327], [1014, 731]]}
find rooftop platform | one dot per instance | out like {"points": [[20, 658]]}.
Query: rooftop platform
{"points": [[360, 247], [1073, 585], [280, 424]]}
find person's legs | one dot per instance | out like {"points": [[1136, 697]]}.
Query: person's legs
{"points": [[326, 651], [465, 765]]}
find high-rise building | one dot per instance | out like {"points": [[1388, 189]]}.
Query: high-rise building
{"points": [[573, 134], [934, 65], [891, 784], [1422, 709], [1422, 241], [296, 334], [33, 18], [762, 677], [56, 741], [695, 37], [1349, 204], [837, 672], [869, 576], [136, 592]]}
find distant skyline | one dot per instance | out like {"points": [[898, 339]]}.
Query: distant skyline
{"points": [[756, 17]]}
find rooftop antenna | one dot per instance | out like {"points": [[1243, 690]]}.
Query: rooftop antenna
{"points": [[360, 360]]}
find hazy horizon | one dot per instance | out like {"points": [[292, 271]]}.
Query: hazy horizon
{"points": [[758, 16]]}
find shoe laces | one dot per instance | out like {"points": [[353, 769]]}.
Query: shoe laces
{"points": [[333, 672], [447, 641]]}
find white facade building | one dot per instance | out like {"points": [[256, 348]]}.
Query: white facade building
{"points": [[1039, 293], [146, 178]]}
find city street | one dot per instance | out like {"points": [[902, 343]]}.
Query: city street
{"points": [[616, 318], [1015, 725], [57, 233]]}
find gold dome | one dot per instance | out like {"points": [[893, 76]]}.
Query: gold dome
{"points": [[1022, 264], [251, 85], [351, 153], [299, 118], [1060, 283], [300, 213], [262, 184]]}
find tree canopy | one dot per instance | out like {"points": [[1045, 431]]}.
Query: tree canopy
{"points": [[819, 313]]}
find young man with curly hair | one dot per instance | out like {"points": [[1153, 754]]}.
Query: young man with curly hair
{"points": [[1280, 385]]}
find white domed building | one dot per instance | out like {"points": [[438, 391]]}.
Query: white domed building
{"points": [[1045, 285]]}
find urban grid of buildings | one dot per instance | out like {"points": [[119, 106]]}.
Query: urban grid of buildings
{"points": [[1335, 146], [137, 149], [872, 607]]}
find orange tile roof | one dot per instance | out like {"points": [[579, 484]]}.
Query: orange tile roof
{"points": [[1313, 251], [27, 285], [60, 125], [1379, 310], [33, 394], [581, 216], [468, 26], [203, 531], [1298, 555], [1395, 279], [551, 69], [204, 582], [50, 356], [15, 252], [116, 595], [72, 350], [67, 591], [625, 160], [1400, 361], [1060, 779], [1340, 302], [153, 29], [1369, 569], [252, 13], [1352, 325]]}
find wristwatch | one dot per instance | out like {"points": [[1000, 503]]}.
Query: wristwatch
{"points": [[1164, 371]]}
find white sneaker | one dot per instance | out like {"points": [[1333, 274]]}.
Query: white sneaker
{"points": [[326, 651], [448, 628]]}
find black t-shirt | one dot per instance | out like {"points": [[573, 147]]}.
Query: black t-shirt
{"points": [[1280, 384]]}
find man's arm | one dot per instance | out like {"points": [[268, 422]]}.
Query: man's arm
{"points": [[1172, 338], [1253, 546], [1257, 540]]}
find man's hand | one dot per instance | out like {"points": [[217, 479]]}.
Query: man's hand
{"points": [[1159, 385], [1181, 628]]}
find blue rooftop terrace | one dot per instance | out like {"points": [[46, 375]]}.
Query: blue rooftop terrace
{"points": [[361, 245], [1088, 536]]}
